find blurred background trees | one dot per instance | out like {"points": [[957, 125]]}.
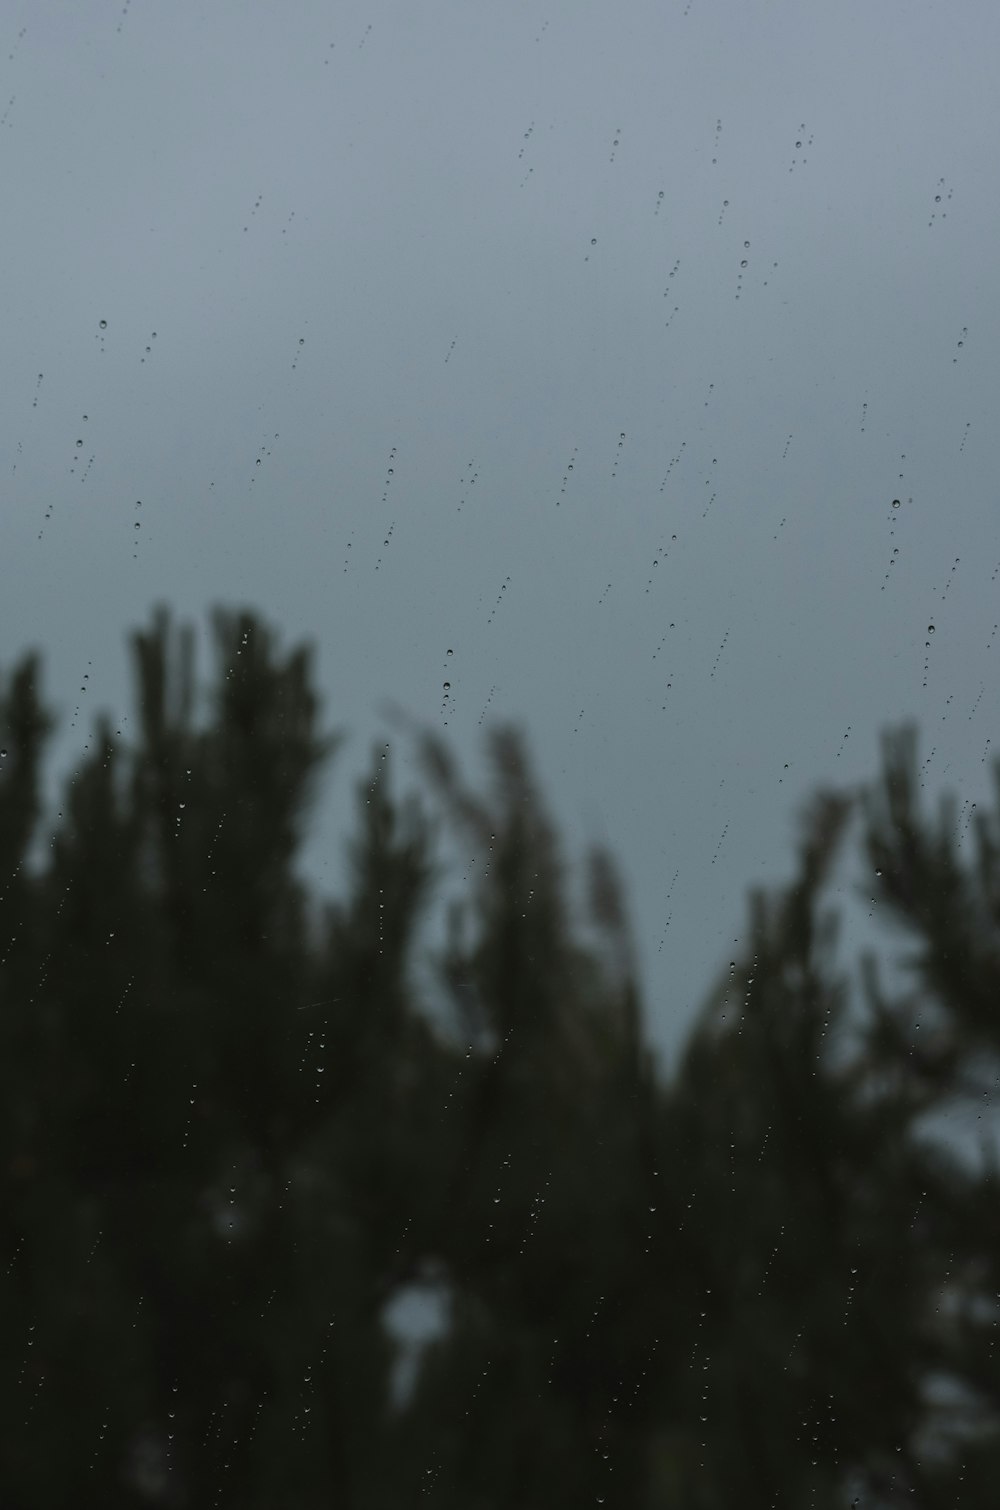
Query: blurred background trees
{"points": [[234, 1139]]}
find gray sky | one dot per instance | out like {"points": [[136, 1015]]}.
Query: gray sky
{"points": [[418, 260]]}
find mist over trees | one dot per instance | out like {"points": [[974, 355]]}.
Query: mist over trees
{"points": [[232, 1136]]}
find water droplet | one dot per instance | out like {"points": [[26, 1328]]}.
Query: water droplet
{"points": [[104, 324], [930, 629], [895, 503]]}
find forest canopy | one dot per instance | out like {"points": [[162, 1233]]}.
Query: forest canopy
{"points": [[761, 1280]]}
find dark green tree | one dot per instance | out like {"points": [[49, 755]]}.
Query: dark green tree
{"points": [[235, 1135]]}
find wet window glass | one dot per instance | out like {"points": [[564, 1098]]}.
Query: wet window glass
{"points": [[499, 807]]}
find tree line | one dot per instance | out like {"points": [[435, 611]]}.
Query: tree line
{"points": [[233, 1135]]}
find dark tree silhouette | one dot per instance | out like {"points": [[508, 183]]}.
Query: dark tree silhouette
{"points": [[234, 1136]]}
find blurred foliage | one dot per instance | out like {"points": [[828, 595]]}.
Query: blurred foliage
{"points": [[233, 1136]]}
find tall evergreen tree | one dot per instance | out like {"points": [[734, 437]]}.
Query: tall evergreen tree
{"points": [[234, 1136]]}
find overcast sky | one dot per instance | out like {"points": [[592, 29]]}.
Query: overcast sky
{"points": [[623, 324]]}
